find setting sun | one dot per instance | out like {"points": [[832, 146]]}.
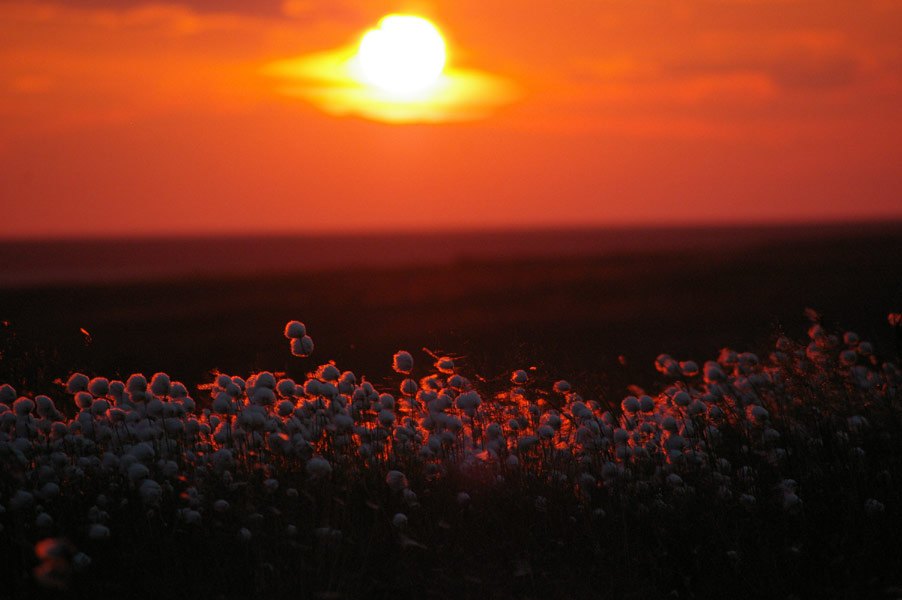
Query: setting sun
{"points": [[395, 72], [403, 55]]}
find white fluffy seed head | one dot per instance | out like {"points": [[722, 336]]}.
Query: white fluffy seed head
{"points": [[99, 387], [402, 362], [98, 532], [222, 404], [295, 330], [386, 417], [681, 399], [151, 492], [318, 467], [137, 472], [396, 480], [468, 400], [848, 357], [160, 384], [302, 347], [409, 387], [264, 379], [77, 382], [873, 508], [630, 405], [155, 408], [287, 387], [399, 521], [445, 365], [328, 372], [136, 383], [178, 390], [689, 368], [697, 407], [580, 410], [387, 401], [757, 413], [83, 399], [7, 394], [23, 406]]}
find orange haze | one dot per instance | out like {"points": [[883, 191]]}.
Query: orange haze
{"points": [[124, 118]]}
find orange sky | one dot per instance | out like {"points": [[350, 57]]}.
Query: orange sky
{"points": [[126, 118]]}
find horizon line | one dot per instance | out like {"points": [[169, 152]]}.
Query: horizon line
{"points": [[493, 229]]}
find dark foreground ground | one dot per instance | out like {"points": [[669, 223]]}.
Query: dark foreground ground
{"points": [[572, 316]]}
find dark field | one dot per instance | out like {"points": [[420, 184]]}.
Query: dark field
{"points": [[567, 303], [773, 475]]}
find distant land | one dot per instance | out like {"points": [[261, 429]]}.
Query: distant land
{"points": [[571, 301], [41, 262]]}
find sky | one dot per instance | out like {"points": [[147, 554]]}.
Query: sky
{"points": [[123, 118]]}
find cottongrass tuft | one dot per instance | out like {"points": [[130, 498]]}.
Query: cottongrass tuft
{"points": [[7, 394], [135, 383], [302, 347], [98, 532], [873, 508], [399, 521], [318, 467], [445, 365], [402, 362], [23, 406], [43, 520], [630, 404], [151, 492], [77, 382], [716, 440], [396, 480], [295, 330], [20, 500], [562, 387], [160, 384]]}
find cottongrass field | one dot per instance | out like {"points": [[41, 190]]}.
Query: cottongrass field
{"points": [[770, 475]]}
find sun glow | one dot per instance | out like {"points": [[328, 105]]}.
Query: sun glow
{"points": [[397, 72], [403, 55]]}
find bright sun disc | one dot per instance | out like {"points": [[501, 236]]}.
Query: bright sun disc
{"points": [[403, 55]]}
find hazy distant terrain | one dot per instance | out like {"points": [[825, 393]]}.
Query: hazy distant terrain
{"points": [[568, 301]]}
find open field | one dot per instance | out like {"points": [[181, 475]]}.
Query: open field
{"points": [[768, 472]]}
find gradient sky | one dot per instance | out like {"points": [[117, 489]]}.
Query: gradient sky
{"points": [[126, 118]]}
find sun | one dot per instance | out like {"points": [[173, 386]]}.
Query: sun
{"points": [[403, 55]]}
